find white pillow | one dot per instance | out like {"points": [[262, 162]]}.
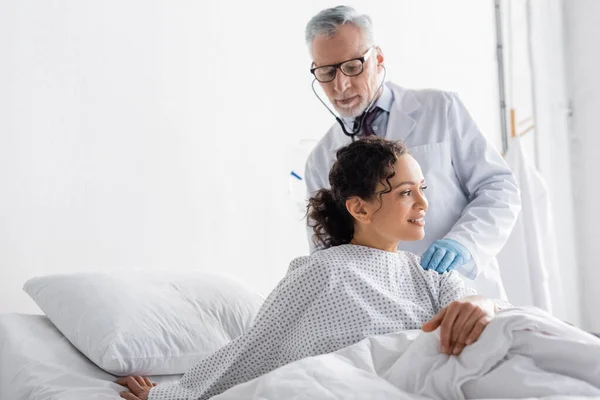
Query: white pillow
{"points": [[146, 323]]}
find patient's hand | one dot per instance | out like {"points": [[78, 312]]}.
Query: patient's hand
{"points": [[139, 387], [461, 323]]}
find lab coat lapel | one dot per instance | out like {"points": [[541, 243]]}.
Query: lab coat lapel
{"points": [[400, 123]]}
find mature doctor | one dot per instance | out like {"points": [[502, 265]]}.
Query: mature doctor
{"points": [[473, 197]]}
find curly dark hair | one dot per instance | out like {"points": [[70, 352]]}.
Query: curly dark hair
{"points": [[359, 168]]}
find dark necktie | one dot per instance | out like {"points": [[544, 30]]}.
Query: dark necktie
{"points": [[367, 128]]}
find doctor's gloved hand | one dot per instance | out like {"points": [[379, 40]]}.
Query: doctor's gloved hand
{"points": [[445, 255]]}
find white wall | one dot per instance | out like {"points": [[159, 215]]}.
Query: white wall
{"points": [[150, 135], [582, 39]]}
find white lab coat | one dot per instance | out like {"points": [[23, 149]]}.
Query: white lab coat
{"points": [[473, 197]]}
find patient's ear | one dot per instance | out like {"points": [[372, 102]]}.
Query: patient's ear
{"points": [[357, 208]]}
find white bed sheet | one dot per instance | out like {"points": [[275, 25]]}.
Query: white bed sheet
{"points": [[524, 353], [38, 363]]}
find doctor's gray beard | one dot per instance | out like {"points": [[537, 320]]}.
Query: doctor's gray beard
{"points": [[354, 112]]}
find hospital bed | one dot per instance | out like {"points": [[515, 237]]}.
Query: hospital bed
{"points": [[523, 353]]}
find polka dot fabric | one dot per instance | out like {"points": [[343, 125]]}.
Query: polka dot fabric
{"points": [[327, 301]]}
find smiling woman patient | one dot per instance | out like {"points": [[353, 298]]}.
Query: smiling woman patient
{"points": [[359, 286]]}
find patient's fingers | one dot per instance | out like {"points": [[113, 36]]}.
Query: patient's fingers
{"points": [[477, 329], [434, 322], [148, 382], [467, 328], [140, 381], [469, 325], [446, 327], [132, 383], [122, 381], [466, 312], [129, 396]]}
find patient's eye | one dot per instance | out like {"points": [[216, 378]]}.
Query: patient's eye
{"points": [[423, 188], [406, 193]]}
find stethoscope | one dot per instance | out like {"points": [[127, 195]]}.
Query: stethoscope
{"points": [[352, 134]]}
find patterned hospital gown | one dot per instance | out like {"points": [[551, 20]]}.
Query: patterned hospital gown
{"points": [[327, 301]]}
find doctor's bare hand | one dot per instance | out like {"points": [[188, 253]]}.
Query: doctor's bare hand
{"points": [[461, 323], [139, 387]]}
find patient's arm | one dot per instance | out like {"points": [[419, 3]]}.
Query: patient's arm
{"points": [[139, 387], [461, 322]]}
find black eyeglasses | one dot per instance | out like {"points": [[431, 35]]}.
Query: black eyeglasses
{"points": [[352, 67]]}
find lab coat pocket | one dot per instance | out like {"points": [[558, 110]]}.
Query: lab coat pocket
{"points": [[435, 159]]}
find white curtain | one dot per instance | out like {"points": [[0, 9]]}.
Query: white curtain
{"points": [[552, 144], [529, 259], [539, 262]]}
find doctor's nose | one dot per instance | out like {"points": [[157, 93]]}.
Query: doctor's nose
{"points": [[341, 82]]}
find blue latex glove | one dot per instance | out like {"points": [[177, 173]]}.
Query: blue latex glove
{"points": [[445, 255]]}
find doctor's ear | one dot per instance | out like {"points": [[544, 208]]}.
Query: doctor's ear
{"points": [[357, 208], [380, 57]]}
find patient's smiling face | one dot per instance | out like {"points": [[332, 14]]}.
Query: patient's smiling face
{"points": [[402, 212], [396, 213], [381, 188]]}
